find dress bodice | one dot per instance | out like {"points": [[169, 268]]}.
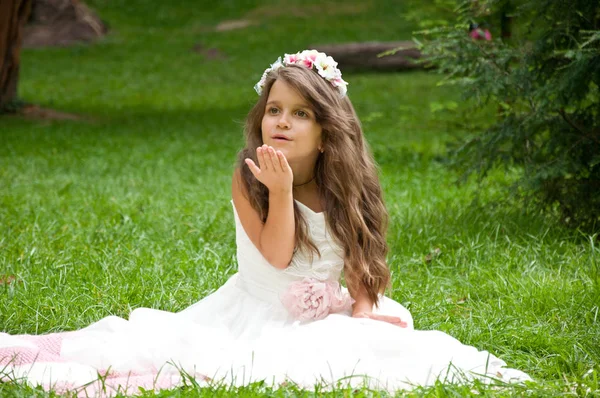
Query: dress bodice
{"points": [[261, 278]]}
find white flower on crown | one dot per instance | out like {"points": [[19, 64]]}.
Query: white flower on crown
{"points": [[324, 65], [277, 64], [274, 66]]}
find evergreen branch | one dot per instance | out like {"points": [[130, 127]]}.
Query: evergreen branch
{"points": [[491, 59], [576, 127]]}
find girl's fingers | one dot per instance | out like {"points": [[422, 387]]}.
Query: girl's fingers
{"points": [[282, 161], [390, 319], [252, 166], [260, 155], [274, 162]]}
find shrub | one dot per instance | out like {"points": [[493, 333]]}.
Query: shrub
{"points": [[543, 78]]}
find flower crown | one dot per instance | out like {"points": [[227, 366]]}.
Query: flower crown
{"points": [[311, 59]]}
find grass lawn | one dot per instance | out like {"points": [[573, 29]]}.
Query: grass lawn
{"points": [[129, 207]]}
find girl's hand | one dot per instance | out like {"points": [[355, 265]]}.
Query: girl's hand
{"points": [[274, 171], [394, 320]]}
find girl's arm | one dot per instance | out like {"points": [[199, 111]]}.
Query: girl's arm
{"points": [[363, 308], [276, 237], [362, 302]]}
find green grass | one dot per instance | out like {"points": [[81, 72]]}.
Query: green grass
{"points": [[130, 207]]}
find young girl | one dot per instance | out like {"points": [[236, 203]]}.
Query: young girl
{"points": [[308, 207]]}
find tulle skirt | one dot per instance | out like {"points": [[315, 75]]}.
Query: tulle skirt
{"points": [[235, 336]]}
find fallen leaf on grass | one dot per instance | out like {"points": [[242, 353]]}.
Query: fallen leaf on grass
{"points": [[435, 253], [460, 300], [7, 279]]}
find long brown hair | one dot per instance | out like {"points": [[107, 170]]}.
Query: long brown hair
{"points": [[345, 174]]}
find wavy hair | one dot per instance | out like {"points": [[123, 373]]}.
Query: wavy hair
{"points": [[345, 174]]}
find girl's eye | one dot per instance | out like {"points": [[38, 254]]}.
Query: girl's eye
{"points": [[302, 114], [273, 111]]}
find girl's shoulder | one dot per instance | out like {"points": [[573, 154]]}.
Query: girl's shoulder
{"points": [[239, 193], [248, 216]]}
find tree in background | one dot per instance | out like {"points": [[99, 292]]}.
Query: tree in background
{"points": [[544, 79], [39, 23], [13, 16]]}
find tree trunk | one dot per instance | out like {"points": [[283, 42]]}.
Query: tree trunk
{"points": [[364, 55], [13, 16], [506, 20]]}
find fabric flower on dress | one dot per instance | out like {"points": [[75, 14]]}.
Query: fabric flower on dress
{"points": [[311, 299], [323, 64]]}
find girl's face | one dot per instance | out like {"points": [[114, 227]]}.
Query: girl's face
{"points": [[289, 124]]}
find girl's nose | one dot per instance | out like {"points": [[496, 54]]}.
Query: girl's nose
{"points": [[283, 122]]}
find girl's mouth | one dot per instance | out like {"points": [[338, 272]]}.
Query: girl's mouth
{"points": [[280, 137]]}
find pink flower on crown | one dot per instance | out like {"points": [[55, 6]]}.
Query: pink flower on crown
{"points": [[323, 64], [310, 299], [290, 59], [309, 57], [340, 84], [311, 54], [307, 62]]}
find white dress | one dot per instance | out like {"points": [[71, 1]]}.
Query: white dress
{"points": [[243, 333]]}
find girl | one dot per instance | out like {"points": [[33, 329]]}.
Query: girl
{"points": [[307, 205]]}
